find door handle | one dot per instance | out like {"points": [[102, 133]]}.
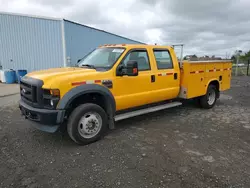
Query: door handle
{"points": [[152, 78], [175, 76]]}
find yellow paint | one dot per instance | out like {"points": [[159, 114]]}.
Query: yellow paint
{"points": [[226, 82], [134, 91], [197, 83]]}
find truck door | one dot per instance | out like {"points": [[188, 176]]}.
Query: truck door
{"points": [[132, 91], [167, 74]]}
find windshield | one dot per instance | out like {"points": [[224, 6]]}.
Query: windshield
{"points": [[102, 57]]}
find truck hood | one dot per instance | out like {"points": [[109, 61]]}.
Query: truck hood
{"points": [[53, 78], [59, 72]]}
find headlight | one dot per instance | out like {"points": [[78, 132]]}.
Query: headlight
{"points": [[52, 92], [51, 97], [51, 102], [55, 92]]}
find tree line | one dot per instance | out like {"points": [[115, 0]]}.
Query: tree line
{"points": [[243, 57]]}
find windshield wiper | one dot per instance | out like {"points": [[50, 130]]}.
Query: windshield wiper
{"points": [[88, 65]]}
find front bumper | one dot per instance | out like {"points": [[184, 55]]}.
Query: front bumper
{"points": [[45, 120]]}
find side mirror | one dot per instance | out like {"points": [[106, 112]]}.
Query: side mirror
{"points": [[78, 60], [132, 68], [121, 70]]}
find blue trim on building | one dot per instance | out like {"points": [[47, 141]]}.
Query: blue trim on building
{"points": [[81, 39], [135, 41]]}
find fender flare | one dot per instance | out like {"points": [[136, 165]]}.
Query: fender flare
{"points": [[211, 80], [87, 89]]}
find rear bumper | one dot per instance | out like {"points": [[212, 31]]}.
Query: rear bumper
{"points": [[43, 119]]}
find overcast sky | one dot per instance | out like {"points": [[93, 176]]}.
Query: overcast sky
{"points": [[204, 26]]}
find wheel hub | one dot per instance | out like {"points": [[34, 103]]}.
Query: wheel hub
{"points": [[211, 97], [90, 125]]}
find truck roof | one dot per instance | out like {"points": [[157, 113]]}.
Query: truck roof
{"points": [[134, 45]]}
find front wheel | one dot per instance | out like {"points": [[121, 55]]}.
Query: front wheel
{"points": [[208, 101], [87, 123]]}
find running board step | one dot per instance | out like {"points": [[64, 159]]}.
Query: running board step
{"points": [[146, 110]]}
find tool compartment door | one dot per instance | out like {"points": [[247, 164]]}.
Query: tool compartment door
{"points": [[196, 86], [226, 79], [192, 80], [214, 70]]}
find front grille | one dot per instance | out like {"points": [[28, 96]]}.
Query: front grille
{"points": [[28, 91], [31, 91]]}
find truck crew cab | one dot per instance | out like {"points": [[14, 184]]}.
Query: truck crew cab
{"points": [[115, 82]]}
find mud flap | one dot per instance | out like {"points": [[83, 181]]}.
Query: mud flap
{"points": [[111, 123]]}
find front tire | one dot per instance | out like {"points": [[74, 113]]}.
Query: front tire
{"points": [[87, 123], [208, 101]]}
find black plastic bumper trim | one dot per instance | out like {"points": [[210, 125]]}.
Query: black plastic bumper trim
{"points": [[45, 120]]}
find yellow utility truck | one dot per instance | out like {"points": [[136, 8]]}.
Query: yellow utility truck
{"points": [[116, 82]]}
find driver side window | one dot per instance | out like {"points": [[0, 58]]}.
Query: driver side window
{"points": [[141, 56]]}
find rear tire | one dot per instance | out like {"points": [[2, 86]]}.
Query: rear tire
{"points": [[87, 123], [208, 101]]}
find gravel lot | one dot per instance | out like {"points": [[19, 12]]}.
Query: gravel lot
{"points": [[180, 147]]}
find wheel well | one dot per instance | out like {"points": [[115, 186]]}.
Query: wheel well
{"points": [[95, 98], [217, 85]]}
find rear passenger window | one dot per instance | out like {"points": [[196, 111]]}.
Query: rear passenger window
{"points": [[141, 56], [163, 59]]}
